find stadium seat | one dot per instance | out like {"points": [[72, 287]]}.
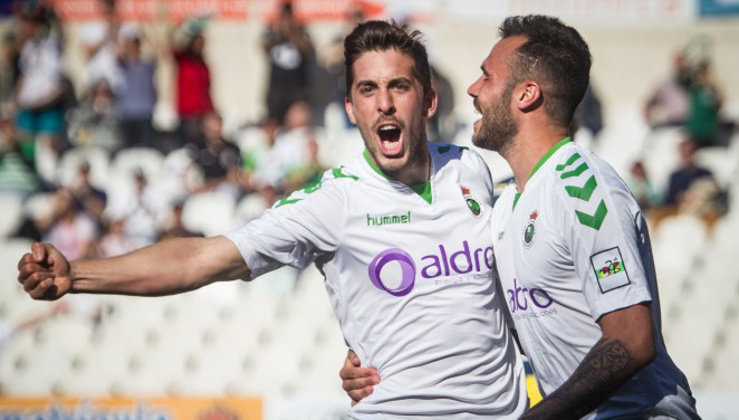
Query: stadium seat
{"points": [[97, 158], [146, 159], [209, 212], [660, 155], [11, 206]]}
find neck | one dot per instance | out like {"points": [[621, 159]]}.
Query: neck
{"points": [[528, 148], [416, 172]]}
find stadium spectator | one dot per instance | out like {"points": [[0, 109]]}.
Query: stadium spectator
{"points": [[17, 169], [668, 104], [283, 153], [255, 151], [442, 125], [137, 96], [703, 122], [290, 52], [99, 39], [174, 227], [589, 113], [219, 160], [139, 210], [116, 241], [193, 82], [685, 175], [92, 200], [95, 121], [69, 227], [40, 90], [640, 185]]}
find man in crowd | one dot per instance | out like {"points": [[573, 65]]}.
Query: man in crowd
{"points": [[414, 294]]}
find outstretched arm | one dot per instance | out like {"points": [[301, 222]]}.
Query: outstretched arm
{"points": [[169, 267], [625, 347]]}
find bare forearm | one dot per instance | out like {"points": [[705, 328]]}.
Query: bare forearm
{"points": [[169, 267], [605, 368]]}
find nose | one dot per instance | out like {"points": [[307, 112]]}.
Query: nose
{"points": [[385, 103], [474, 88]]}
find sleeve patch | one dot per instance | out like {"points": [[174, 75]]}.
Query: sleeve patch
{"points": [[609, 270]]}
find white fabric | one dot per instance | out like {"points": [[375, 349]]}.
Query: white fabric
{"points": [[41, 66], [441, 344], [562, 267], [103, 65]]}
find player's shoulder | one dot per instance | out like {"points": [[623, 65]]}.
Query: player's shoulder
{"points": [[331, 187], [583, 183], [445, 153]]}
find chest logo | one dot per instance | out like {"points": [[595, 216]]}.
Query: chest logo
{"points": [[530, 231], [473, 205]]}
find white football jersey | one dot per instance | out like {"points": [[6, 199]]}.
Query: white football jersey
{"points": [[569, 249], [409, 274]]}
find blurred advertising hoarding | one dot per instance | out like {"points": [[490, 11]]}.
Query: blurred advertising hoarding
{"points": [[132, 409], [719, 7], [596, 12]]}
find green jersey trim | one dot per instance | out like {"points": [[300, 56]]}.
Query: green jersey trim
{"points": [[423, 189], [541, 162], [549, 154]]}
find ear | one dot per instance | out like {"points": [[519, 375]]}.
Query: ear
{"points": [[349, 107], [528, 95], [430, 102]]}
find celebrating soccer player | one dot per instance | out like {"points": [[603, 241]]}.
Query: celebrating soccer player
{"points": [[413, 290]]}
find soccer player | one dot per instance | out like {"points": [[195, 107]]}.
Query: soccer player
{"points": [[571, 245], [401, 234]]}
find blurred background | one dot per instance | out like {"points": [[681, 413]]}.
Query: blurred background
{"points": [[124, 123]]}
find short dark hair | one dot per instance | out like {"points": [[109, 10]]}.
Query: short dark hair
{"points": [[379, 35], [556, 56]]}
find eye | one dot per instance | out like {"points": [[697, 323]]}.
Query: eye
{"points": [[366, 89]]}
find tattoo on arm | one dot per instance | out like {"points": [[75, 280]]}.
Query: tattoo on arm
{"points": [[606, 367]]}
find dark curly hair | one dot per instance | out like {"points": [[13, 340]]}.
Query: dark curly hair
{"points": [[556, 56]]}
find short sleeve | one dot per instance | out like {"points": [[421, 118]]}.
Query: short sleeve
{"points": [[295, 231], [598, 216]]}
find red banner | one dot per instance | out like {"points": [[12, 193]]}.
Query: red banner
{"points": [[149, 10]]}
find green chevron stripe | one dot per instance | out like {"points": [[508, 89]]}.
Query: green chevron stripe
{"points": [[338, 173], [594, 220], [569, 162], [585, 192], [575, 172], [285, 201], [444, 149]]}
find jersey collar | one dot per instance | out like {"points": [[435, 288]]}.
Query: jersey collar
{"points": [[423, 189], [542, 161]]}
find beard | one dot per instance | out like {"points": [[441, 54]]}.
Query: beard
{"points": [[497, 127]]}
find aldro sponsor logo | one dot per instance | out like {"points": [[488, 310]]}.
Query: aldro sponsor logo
{"points": [[527, 302], [394, 270]]}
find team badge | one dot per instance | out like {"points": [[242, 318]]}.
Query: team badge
{"points": [[530, 231], [610, 271], [471, 202]]}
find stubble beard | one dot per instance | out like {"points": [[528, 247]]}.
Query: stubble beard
{"points": [[497, 128]]}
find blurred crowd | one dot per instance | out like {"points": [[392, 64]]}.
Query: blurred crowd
{"points": [[45, 119], [690, 101]]}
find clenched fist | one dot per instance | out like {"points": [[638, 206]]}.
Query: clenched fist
{"points": [[44, 272]]}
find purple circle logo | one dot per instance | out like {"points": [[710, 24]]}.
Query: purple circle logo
{"points": [[407, 271]]}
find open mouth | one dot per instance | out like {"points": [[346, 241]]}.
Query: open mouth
{"points": [[389, 134]]}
